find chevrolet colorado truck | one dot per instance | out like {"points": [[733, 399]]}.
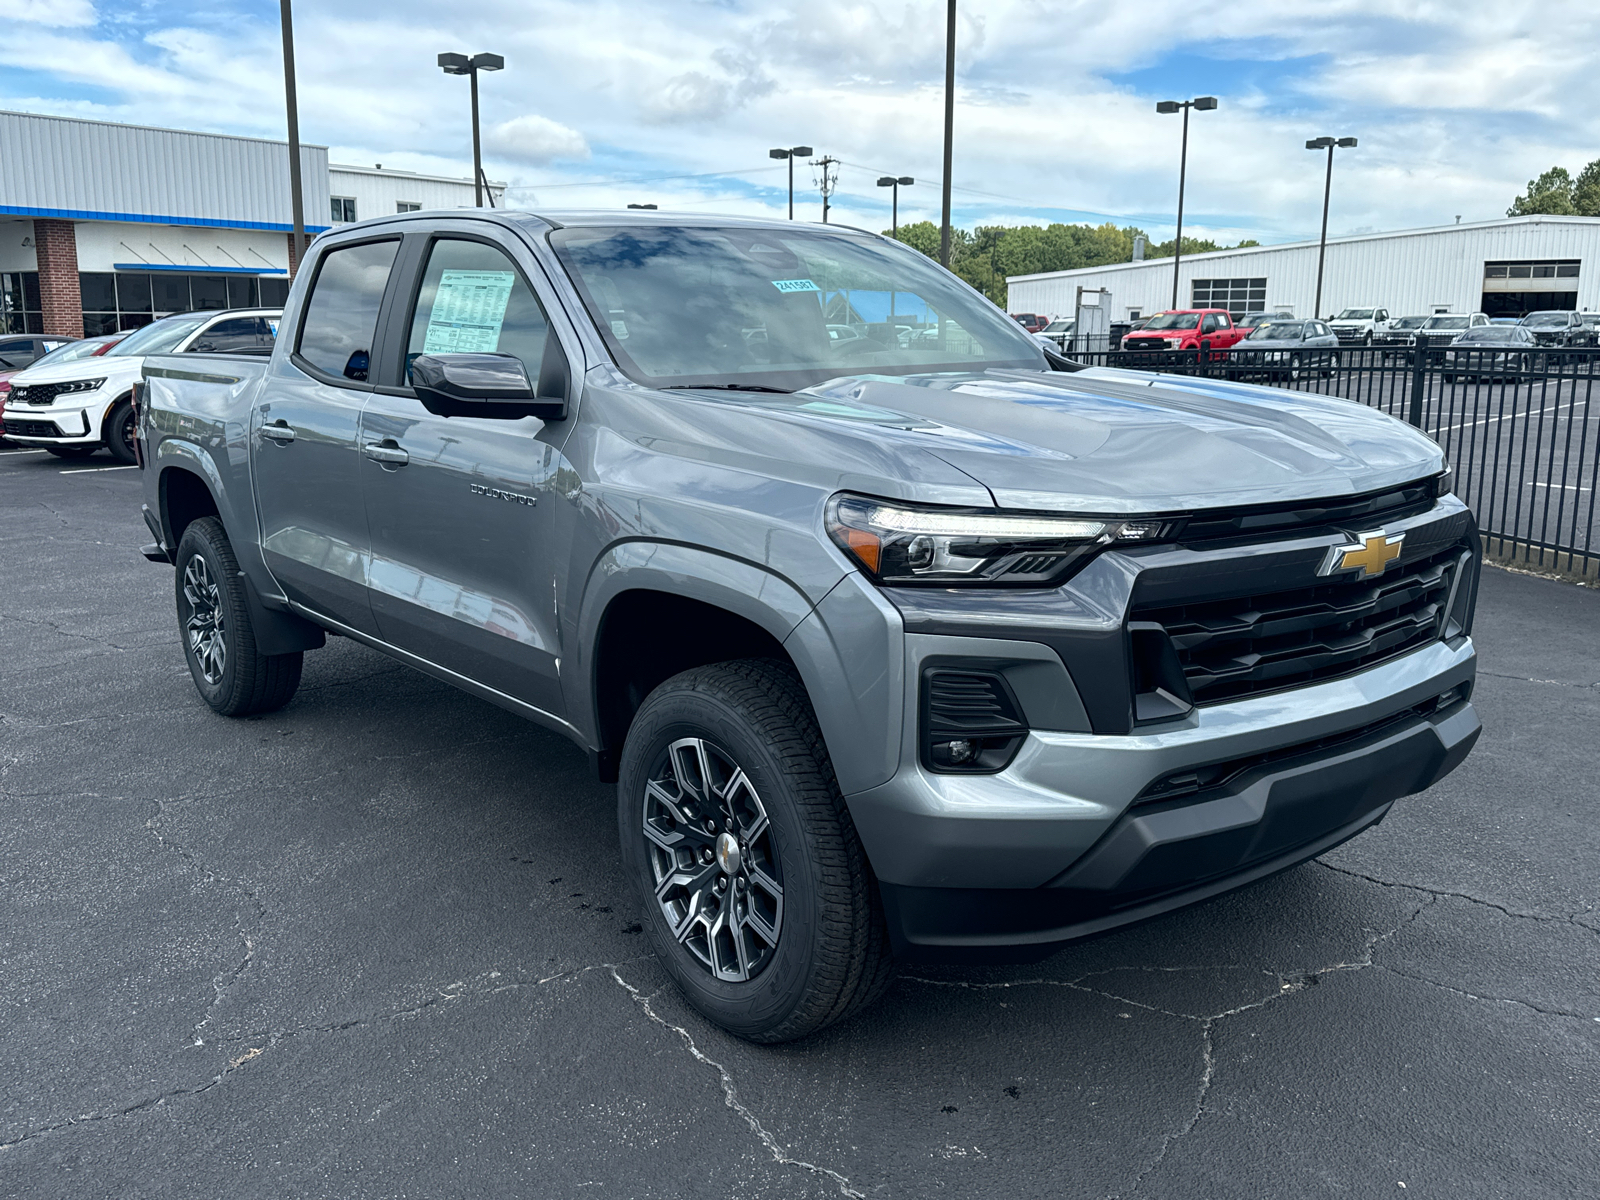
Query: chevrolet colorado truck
{"points": [[939, 647]]}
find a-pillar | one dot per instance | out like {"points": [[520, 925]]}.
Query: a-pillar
{"points": [[55, 244]]}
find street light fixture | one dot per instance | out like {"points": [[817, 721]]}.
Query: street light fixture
{"points": [[460, 64], [890, 181], [1203, 104], [792, 153], [1326, 143], [651, 207]]}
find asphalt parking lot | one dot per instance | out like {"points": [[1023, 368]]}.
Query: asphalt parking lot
{"points": [[378, 945]]}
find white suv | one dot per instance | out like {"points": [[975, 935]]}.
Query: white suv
{"points": [[73, 408], [1359, 326]]}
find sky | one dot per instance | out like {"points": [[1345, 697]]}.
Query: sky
{"points": [[677, 102]]}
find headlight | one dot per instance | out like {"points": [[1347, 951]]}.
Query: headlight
{"points": [[78, 385], [900, 544]]}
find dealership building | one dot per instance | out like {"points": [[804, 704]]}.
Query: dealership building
{"points": [[1503, 268], [106, 227]]}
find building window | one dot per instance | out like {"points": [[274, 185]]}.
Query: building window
{"points": [[129, 299], [407, 206], [344, 209], [1238, 296], [1560, 268], [21, 310]]}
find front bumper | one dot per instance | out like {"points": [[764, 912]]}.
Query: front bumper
{"points": [[51, 426], [1057, 846]]}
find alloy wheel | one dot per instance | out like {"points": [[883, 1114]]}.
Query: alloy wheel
{"points": [[205, 625], [713, 862]]}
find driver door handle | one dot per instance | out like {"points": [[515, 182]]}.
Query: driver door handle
{"points": [[386, 451], [278, 431]]}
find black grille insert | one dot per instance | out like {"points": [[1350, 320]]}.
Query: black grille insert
{"points": [[36, 393], [1247, 645], [971, 722], [32, 428]]}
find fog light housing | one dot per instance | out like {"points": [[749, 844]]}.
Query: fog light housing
{"points": [[972, 723]]}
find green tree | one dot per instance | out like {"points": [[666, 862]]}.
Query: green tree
{"points": [[1586, 191], [1551, 194]]}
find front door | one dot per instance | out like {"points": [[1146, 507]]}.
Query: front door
{"points": [[305, 440], [462, 509]]}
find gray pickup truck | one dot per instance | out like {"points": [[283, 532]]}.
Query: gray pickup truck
{"points": [[919, 643]]}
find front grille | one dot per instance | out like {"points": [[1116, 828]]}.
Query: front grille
{"points": [[35, 393], [1350, 335], [32, 428], [1248, 645], [1306, 518]]}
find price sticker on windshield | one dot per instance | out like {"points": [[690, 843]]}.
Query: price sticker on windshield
{"points": [[795, 285]]}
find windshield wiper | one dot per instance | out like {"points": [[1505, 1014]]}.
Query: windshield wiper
{"points": [[724, 387]]}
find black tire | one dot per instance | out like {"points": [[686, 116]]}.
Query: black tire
{"points": [[829, 956], [209, 585], [72, 451], [120, 430]]}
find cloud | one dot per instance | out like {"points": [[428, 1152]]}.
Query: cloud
{"points": [[536, 139], [48, 12]]}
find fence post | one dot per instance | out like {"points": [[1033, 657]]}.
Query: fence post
{"points": [[1419, 380]]}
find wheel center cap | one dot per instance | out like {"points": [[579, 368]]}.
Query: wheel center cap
{"points": [[728, 856]]}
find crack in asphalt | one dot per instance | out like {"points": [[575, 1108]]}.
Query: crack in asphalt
{"points": [[1445, 987], [12, 618], [730, 1094], [1288, 985], [1443, 893], [1582, 687]]}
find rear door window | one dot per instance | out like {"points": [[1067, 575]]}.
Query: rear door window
{"points": [[231, 336], [341, 314]]}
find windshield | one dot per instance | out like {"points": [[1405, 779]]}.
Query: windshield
{"points": [[752, 307], [1355, 314], [72, 351], [1446, 323], [1173, 321], [1411, 322], [1485, 334], [1058, 327], [158, 337], [1545, 319], [1278, 331]]}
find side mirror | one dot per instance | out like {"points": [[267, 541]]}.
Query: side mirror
{"points": [[485, 385]]}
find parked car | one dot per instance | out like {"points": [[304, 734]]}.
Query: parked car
{"points": [[951, 648], [1558, 329], [1360, 326], [1285, 349], [1402, 331], [1256, 319], [1185, 329], [1032, 322], [74, 407], [62, 352], [1059, 332], [1489, 352]]}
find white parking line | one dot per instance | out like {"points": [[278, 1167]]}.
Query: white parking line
{"points": [[1566, 487], [24, 452], [92, 470]]}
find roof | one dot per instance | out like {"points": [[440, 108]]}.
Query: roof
{"points": [[1242, 251], [388, 172]]}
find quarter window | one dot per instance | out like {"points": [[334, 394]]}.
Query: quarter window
{"points": [[341, 317], [474, 300]]}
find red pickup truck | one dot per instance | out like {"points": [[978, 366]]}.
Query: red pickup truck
{"points": [[1186, 329]]}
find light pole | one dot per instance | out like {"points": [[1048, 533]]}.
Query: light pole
{"points": [[460, 64], [791, 154], [1204, 104], [949, 130], [1326, 143], [890, 181], [296, 201]]}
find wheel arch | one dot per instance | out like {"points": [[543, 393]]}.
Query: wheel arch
{"points": [[105, 417]]}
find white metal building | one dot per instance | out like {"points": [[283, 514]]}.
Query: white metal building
{"points": [[106, 226], [1510, 267]]}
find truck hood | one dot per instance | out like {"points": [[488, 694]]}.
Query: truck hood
{"points": [[1112, 441]]}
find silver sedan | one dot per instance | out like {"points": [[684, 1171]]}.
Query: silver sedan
{"points": [[1285, 350]]}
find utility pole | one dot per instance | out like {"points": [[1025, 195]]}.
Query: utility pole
{"points": [[830, 179], [296, 200], [949, 129]]}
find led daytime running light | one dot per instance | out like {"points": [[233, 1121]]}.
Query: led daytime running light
{"points": [[970, 525]]}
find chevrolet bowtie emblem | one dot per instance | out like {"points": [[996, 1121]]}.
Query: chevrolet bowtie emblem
{"points": [[1370, 553]]}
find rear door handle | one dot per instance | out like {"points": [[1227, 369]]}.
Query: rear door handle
{"points": [[386, 452], [278, 431]]}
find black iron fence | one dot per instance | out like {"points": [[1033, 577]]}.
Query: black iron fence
{"points": [[1519, 427]]}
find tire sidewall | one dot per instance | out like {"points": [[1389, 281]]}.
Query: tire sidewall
{"points": [[198, 541], [754, 1005]]}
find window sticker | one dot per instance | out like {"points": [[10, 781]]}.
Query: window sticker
{"points": [[795, 285], [468, 309]]}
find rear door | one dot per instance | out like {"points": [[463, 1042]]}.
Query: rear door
{"points": [[465, 511], [305, 436]]}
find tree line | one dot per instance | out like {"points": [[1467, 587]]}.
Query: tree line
{"points": [[984, 256], [1556, 193]]}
